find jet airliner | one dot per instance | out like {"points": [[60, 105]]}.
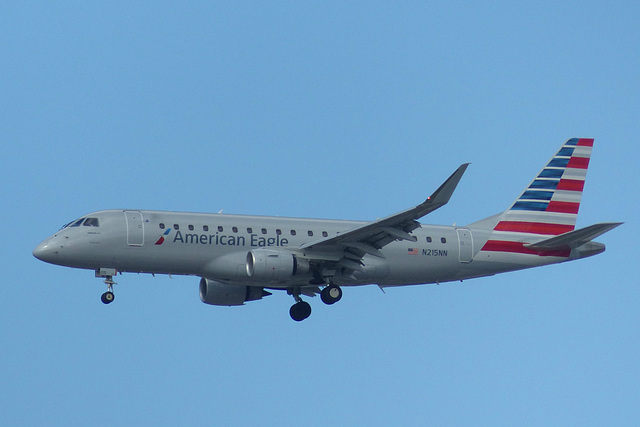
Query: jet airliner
{"points": [[241, 258]]}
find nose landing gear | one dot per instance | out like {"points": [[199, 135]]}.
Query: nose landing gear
{"points": [[108, 297], [107, 273]]}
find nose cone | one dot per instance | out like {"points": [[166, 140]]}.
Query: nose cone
{"points": [[46, 252]]}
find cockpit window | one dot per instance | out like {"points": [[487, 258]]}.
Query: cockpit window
{"points": [[77, 223], [91, 222], [87, 222]]}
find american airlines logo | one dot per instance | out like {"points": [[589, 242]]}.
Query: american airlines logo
{"points": [[223, 240], [161, 239]]}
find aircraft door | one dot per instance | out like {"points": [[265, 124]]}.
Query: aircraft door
{"points": [[465, 245], [135, 228]]}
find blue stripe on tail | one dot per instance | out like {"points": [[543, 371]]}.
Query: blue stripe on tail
{"points": [[530, 206], [546, 184]]}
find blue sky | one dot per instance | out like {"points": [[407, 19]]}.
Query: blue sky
{"points": [[316, 109]]}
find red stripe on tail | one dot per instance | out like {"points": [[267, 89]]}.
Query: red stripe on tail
{"points": [[533, 227], [570, 185], [578, 163], [518, 248], [585, 142], [563, 207]]}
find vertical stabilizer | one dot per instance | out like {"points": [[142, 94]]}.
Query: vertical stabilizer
{"points": [[549, 205]]}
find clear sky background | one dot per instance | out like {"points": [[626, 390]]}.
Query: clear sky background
{"points": [[316, 109]]}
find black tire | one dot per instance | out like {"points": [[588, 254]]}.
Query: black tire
{"points": [[331, 294], [107, 297], [306, 308], [325, 297], [300, 311]]}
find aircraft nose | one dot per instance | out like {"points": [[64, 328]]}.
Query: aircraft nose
{"points": [[45, 252]]}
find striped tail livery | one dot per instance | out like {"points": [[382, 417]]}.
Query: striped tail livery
{"points": [[541, 222]]}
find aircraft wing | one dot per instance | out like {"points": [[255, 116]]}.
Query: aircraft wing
{"points": [[349, 247]]}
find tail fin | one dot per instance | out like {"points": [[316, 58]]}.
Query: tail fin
{"points": [[549, 205]]}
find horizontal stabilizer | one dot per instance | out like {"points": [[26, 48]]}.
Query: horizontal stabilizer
{"points": [[575, 238]]}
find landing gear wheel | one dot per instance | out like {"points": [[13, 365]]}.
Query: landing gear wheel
{"points": [[107, 297], [300, 311], [331, 294], [107, 273]]}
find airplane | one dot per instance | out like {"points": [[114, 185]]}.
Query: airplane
{"points": [[241, 258]]}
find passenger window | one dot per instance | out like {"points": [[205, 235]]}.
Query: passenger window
{"points": [[176, 227], [310, 233], [249, 230], [325, 234], [205, 227], [220, 228], [278, 231], [235, 229], [91, 222], [293, 232], [429, 239], [264, 231], [161, 226], [443, 240], [190, 227]]}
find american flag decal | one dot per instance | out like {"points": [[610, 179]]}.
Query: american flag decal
{"points": [[412, 251]]}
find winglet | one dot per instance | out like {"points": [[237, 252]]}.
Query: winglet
{"points": [[442, 195], [383, 231]]}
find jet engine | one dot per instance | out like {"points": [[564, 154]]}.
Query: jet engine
{"points": [[216, 293], [273, 265]]}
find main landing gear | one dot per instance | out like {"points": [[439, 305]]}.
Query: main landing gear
{"points": [[301, 309], [107, 273], [331, 294]]}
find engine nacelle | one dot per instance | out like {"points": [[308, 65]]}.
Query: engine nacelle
{"points": [[216, 293], [273, 265]]}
